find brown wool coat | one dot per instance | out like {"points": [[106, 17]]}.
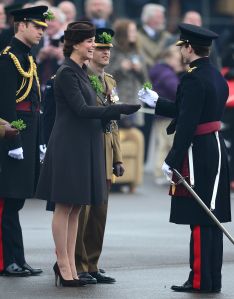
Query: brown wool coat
{"points": [[74, 166], [150, 48]]}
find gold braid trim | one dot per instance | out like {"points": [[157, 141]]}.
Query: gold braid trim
{"points": [[37, 80], [22, 86], [28, 74], [5, 51], [24, 96], [32, 72]]}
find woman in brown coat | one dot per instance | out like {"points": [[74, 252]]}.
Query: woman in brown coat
{"points": [[73, 173]]}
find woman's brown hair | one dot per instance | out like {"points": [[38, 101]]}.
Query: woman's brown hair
{"points": [[68, 47], [121, 35]]}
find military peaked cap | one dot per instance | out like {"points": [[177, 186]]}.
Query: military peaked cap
{"points": [[103, 37], [9, 8], [195, 35], [35, 14]]}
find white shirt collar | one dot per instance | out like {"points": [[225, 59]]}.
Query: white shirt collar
{"points": [[150, 31]]}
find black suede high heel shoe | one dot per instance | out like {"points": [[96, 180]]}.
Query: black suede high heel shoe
{"points": [[64, 282]]}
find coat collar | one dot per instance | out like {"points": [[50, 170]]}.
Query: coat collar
{"points": [[19, 45], [81, 71], [200, 61]]}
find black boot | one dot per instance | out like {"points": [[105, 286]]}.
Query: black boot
{"points": [[33, 271]]}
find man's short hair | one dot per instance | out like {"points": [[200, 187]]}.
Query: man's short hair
{"points": [[149, 10], [59, 15], [201, 50], [16, 26]]}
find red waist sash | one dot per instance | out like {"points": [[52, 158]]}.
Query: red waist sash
{"points": [[206, 128], [202, 129], [26, 106]]}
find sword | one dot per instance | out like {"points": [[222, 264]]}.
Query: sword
{"points": [[201, 203]]}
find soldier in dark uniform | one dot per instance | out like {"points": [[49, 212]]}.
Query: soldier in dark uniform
{"points": [[92, 219], [199, 154], [20, 99]]}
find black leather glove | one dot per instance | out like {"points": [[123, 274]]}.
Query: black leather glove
{"points": [[128, 109], [118, 169]]}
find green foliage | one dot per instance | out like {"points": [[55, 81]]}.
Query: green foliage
{"points": [[96, 84], [18, 124], [49, 15], [147, 85], [105, 38]]}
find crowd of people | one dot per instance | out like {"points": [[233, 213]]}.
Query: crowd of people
{"points": [[139, 49], [75, 81]]}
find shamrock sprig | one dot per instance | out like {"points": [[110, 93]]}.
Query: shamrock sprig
{"points": [[18, 124], [105, 38], [96, 84], [49, 15], [147, 84]]}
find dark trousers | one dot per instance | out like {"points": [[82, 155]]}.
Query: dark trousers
{"points": [[146, 130], [206, 257], [11, 239]]}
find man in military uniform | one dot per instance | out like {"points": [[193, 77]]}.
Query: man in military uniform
{"points": [[92, 219], [198, 153], [20, 99]]}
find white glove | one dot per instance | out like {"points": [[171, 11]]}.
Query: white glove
{"points": [[42, 148], [148, 96], [167, 172], [16, 153]]}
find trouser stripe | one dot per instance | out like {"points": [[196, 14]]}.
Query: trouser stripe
{"points": [[197, 257]]}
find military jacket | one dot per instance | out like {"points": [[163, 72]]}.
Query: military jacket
{"points": [[18, 177], [110, 128], [201, 98]]}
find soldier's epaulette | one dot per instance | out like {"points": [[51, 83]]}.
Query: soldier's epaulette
{"points": [[109, 75], [5, 51], [190, 69]]}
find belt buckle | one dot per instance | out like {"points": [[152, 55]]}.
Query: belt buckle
{"points": [[108, 131], [105, 100]]}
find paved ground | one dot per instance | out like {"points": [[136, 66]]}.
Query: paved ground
{"points": [[142, 250]]}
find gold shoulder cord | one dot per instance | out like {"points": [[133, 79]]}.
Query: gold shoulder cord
{"points": [[190, 69], [32, 72]]}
